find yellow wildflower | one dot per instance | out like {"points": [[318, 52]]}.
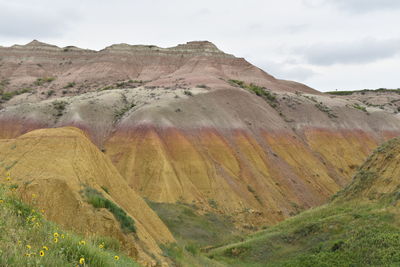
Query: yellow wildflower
{"points": [[55, 240], [45, 248], [34, 195], [116, 258], [42, 211], [82, 242], [82, 261], [27, 254], [41, 253], [28, 247], [1, 201], [55, 235], [62, 236]]}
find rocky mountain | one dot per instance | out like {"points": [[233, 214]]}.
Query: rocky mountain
{"points": [[191, 124]]}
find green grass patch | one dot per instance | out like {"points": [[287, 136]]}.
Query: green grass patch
{"points": [[43, 80], [380, 90], [349, 234], [97, 200], [359, 107], [8, 95], [258, 90], [28, 239], [191, 228]]}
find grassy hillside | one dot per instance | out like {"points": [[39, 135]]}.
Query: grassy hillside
{"points": [[348, 234], [195, 233], [360, 227], [27, 239]]}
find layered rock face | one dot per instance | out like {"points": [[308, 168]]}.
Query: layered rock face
{"points": [[54, 167], [185, 124]]}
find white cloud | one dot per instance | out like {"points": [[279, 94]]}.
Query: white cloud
{"points": [[356, 52], [361, 6]]}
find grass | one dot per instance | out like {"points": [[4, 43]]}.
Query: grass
{"points": [[118, 114], [97, 200], [258, 90], [59, 106], [383, 90], [191, 228], [43, 80], [359, 107], [28, 239], [70, 85], [8, 95], [349, 231], [347, 234], [324, 108]]}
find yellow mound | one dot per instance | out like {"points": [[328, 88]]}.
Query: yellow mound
{"points": [[53, 167]]}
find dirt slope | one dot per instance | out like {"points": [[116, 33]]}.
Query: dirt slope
{"points": [[359, 227], [57, 165], [186, 124], [378, 178]]}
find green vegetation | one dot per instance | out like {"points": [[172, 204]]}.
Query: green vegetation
{"points": [[341, 234], [357, 228], [59, 106], [202, 86], [8, 95], [27, 239], [362, 108], [258, 90], [50, 93], [380, 90], [191, 228], [195, 232], [188, 93], [122, 84], [324, 108], [70, 85], [118, 114], [97, 200], [43, 80]]}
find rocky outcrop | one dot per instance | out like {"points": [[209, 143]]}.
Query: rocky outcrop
{"points": [[191, 134]]}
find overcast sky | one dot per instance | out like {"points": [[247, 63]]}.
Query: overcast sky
{"points": [[326, 44]]}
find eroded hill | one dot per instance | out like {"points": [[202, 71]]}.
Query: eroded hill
{"points": [[63, 173], [196, 125], [359, 227]]}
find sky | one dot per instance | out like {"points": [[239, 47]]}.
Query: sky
{"points": [[326, 44]]}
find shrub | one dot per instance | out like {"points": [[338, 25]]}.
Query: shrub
{"points": [[362, 108], [59, 106], [44, 80], [258, 90], [70, 85], [188, 93], [8, 95], [50, 93], [97, 200]]}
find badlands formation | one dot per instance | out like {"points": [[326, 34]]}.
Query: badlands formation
{"points": [[188, 124]]}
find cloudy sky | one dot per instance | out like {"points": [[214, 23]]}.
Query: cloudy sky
{"points": [[327, 44]]}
